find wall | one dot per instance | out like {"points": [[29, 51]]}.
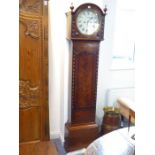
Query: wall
{"points": [[60, 64]]}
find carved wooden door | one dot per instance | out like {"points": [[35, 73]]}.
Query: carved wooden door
{"points": [[33, 71]]}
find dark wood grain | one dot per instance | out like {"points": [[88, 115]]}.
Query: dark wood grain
{"points": [[84, 80], [33, 71], [80, 135]]}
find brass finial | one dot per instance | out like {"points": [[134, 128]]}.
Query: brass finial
{"points": [[105, 9], [72, 7]]}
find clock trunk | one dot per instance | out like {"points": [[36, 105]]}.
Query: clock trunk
{"points": [[84, 81]]}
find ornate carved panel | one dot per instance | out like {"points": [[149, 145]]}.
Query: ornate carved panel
{"points": [[30, 60], [31, 48], [32, 27], [28, 94], [31, 6]]}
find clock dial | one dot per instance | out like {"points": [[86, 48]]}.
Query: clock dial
{"points": [[88, 21]]}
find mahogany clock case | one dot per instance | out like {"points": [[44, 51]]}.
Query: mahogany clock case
{"points": [[82, 129]]}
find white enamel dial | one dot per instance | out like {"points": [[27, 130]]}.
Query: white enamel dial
{"points": [[88, 21]]}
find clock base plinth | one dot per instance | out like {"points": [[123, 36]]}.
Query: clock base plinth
{"points": [[80, 135]]}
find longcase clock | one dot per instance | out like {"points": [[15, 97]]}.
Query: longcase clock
{"points": [[85, 29]]}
